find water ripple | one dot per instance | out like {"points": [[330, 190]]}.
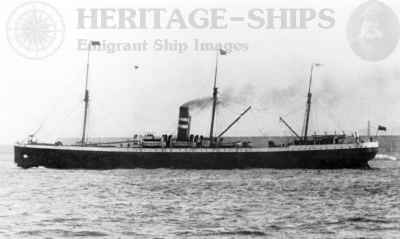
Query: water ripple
{"points": [[163, 203]]}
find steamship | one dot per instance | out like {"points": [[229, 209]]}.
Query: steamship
{"points": [[187, 151]]}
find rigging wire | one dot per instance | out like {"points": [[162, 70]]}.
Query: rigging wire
{"points": [[59, 99], [56, 128], [332, 116]]}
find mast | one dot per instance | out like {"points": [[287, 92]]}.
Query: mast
{"points": [[86, 97], [369, 129], [214, 103], [308, 105]]}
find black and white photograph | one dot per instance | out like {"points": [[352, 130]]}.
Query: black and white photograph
{"points": [[200, 119]]}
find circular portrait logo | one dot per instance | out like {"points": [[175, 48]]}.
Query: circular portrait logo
{"points": [[35, 30], [373, 30]]}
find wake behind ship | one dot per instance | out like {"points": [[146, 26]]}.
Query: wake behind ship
{"points": [[187, 151]]}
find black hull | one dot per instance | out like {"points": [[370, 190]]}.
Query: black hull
{"points": [[54, 157]]}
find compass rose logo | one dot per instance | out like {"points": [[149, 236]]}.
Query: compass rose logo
{"points": [[35, 30]]}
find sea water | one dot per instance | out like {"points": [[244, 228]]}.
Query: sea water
{"points": [[164, 203]]}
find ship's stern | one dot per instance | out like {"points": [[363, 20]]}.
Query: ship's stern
{"points": [[368, 151]]}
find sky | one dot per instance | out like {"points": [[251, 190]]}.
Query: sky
{"points": [[271, 74]]}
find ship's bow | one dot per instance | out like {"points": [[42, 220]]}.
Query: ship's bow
{"points": [[24, 156]]}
